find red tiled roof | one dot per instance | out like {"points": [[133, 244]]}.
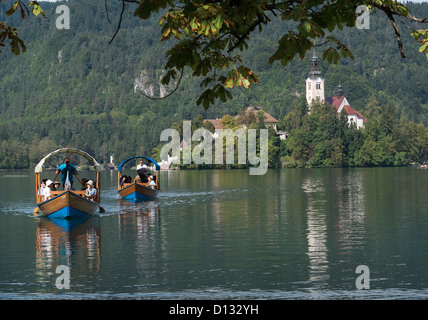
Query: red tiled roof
{"points": [[350, 110], [216, 123], [335, 101], [269, 118]]}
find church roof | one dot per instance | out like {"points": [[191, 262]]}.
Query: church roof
{"points": [[269, 118], [216, 123], [351, 111], [337, 101]]}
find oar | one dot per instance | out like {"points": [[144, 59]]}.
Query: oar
{"points": [[80, 181], [163, 192], [55, 176]]}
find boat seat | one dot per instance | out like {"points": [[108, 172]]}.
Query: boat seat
{"points": [[79, 192]]}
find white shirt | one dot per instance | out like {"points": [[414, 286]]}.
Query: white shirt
{"points": [[141, 166], [47, 193]]}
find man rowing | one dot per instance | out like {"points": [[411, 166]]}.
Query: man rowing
{"points": [[67, 171]]}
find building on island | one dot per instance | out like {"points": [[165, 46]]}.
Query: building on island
{"points": [[315, 90], [269, 121]]}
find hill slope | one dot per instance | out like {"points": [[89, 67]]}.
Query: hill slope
{"points": [[73, 88]]}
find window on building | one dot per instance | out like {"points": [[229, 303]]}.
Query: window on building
{"points": [[318, 86]]}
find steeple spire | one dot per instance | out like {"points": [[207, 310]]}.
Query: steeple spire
{"points": [[315, 68], [340, 92]]}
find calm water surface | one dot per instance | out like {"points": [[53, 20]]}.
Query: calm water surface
{"points": [[290, 234]]}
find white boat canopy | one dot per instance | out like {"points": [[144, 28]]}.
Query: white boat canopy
{"points": [[39, 166]]}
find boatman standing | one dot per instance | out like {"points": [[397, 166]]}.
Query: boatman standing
{"points": [[67, 171]]}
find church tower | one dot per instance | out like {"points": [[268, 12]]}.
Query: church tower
{"points": [[315, 82]]}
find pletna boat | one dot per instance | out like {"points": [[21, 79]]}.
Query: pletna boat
{"points": [[67, 203], [139, 188]]}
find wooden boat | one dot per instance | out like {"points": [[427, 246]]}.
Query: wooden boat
{"points": [[136, 190], [67, 203]]}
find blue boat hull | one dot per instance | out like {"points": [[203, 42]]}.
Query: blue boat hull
{"points": [[137, 192]]}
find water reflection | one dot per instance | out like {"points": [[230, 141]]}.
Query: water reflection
{"points": [[75, 244], [350, 218], [336, 209], [139, 235], [290, 234], [139, 217], [316, 230]]}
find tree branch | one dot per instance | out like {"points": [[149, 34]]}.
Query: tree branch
{"points": [[120, 21], [397, 33], [175, 89]]}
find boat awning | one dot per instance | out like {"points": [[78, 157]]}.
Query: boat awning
{"points": [[39, 166], [119, 168]]}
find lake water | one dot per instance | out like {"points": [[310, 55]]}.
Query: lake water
{"points": [[223, 234]]}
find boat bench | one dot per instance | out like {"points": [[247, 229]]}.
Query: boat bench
{"points": [[146, 184], [79, 192]]}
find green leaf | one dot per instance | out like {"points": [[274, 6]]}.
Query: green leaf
{"points": [[13, 9], [218, 22], [424, 47], [37, 9]]}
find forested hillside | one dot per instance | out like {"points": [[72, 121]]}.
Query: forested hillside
{"points": [[73, 88]]}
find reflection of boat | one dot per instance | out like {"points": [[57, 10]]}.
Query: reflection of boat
{"points": [[138, 190], [70, 224], [67, 203], [75, 242], [143, 217]]}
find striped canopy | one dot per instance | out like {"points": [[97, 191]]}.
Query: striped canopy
{"points": [[39, 166], [119, 168]]}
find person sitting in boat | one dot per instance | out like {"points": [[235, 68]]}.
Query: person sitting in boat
{"points": [[91, 192], [122, 181], [42, 189], [152, 183], [55, 186], [83, 182], [125, 179], [47, 190], [137, 178], [141, 172], [67, 171]]}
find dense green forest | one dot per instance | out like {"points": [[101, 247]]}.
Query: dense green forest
{"points": [[74, 89]]}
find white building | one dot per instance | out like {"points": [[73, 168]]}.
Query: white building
{"points": [[341, 103], [315, 89], [315, 82]]}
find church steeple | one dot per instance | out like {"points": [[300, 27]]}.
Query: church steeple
{"points": [[340, 92], [314, 82], [315, 68]]}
